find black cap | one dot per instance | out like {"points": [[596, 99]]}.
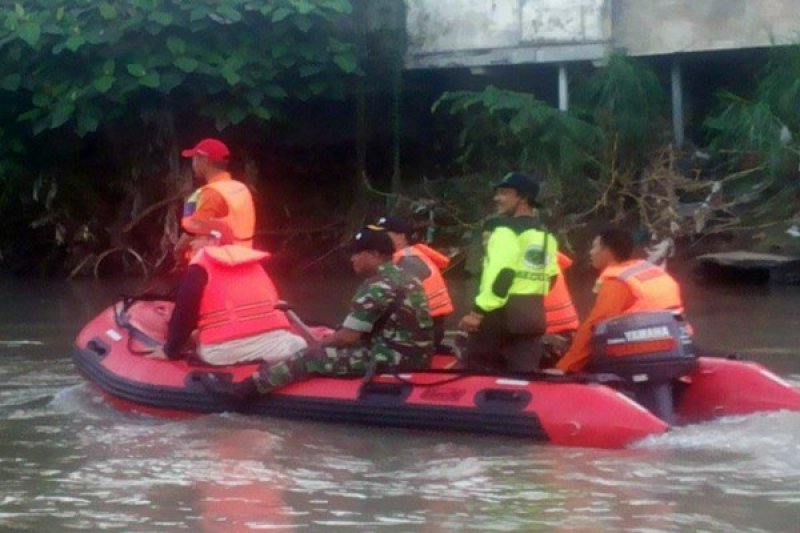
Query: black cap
{"points": [[373, 239], [524, 184], [396, 224]]}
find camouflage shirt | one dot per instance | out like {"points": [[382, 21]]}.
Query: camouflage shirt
{"points": [[406, 333]]}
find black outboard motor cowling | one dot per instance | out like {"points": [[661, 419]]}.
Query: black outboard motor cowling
{"points": [[648, 350]]}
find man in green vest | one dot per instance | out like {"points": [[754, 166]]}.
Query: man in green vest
{"points": [[508, 318]]}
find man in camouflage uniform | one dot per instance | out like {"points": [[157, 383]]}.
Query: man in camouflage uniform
{"points": [[389, 326]]}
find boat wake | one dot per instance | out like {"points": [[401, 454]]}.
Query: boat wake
{"points": [[83, 400], [756, 434]]}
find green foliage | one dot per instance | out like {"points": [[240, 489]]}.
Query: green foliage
{"points": [[760, 132], [779, 85], [504, 130], [127, 80], [79, 63], [626, 101], [587, 155], [764, 127], [745, 127]]}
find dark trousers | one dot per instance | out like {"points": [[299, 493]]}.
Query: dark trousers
{"points": [[438, 331], [494, 349]]}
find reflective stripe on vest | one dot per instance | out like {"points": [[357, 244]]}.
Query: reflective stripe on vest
{"points": [[529, 254], [651, 286], [239, 297], [439, 301]]}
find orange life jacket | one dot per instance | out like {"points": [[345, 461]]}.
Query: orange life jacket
{"points": [[653, 288], [239, 298], [241, 217], [559, 310], [439, 301]]}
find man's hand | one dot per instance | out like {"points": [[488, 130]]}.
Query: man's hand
{"points": [[341, 337], [158, 353], [181, 248], [558, 344], [471, 322]]}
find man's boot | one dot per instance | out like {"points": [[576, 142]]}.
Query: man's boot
{"points": [[227, 391]]}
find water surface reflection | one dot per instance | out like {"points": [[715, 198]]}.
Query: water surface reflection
{"points": [[70, 461]]}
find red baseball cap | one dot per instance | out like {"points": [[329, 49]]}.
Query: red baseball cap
{"points": [[213, 149]]}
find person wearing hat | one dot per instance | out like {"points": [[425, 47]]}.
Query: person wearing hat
{"points": [[227, 295], [388, 328], [508, 317], [219, 198], [424, 263]]}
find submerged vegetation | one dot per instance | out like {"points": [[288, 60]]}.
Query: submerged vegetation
{"points": [[101, 95]]}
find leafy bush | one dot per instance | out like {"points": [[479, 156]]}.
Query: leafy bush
{"points": [[763, 127], [504, 130], [602, 142], [82, 63], [626, 102], [99, 96]]}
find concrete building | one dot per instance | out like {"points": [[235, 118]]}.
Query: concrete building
{"points": [[479, 34]]}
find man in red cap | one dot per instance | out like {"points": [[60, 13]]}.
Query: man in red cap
{"points": [[221, 198]]}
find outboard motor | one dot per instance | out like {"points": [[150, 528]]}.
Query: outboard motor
{"points": [[648, 350]]}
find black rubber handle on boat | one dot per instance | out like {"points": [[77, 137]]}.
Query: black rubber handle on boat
{"points": [[454, 374], [305, 331]]}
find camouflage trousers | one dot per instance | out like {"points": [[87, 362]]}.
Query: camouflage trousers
{"points": [[316, 361]]}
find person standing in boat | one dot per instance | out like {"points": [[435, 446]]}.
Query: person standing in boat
{"points": [[625, 286], [230, 299], [519, 268], [424, 263], [559, 310], [220, 198], [388, 328]]}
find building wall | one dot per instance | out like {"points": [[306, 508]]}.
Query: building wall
{"points": [[485, 32], [647, 27], [470, 33], [564, 21]]}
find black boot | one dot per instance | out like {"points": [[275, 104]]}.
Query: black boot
{"points": [[226, 391]]}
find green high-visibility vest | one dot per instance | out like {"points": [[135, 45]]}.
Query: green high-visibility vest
{"points": [[520, 260]]}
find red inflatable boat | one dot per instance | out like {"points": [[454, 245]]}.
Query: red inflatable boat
{"points": [[573, 411]]}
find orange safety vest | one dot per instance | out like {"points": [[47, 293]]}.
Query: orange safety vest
{"points": [[239, 298], [653, 288], [439, 301], [559, 310], [241, 217]]}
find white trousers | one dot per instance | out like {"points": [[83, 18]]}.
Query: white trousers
{"points": [[273, 346]]}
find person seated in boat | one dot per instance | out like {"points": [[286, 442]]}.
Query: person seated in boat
{"points": [[560, 314], [424, 263], [230, 299], [625, 286], [388, 328], [519, 267]]}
